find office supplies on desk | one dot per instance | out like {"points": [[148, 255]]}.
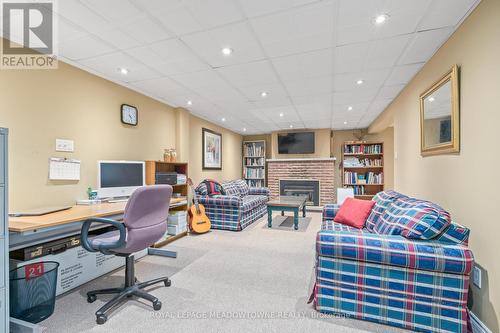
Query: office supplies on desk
{"points": [[64, 169]]}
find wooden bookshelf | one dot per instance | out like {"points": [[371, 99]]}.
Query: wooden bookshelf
{"points": [[254, 163], [180, 190], [363, 167]]}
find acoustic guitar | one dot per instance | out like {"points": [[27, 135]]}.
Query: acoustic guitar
{"points": [[199, 222]]}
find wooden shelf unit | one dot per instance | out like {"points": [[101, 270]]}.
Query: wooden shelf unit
{"points": [[367, 152], [254, 161], [152, 167]]}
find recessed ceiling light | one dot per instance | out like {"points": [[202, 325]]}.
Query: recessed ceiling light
{"points": [[281, 114], [123, 70], [345, 122], [223, 119], [359, 82], [380, 19], [227, 51], [189, 103], [431, 99], [349, 108], [263, 94], [291, 126], [244, 129]]}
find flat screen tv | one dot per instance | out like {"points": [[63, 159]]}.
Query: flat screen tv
{"points": [[296, 143]]}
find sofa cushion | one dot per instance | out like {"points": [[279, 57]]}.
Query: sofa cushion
{"points": [[413, 218], [454, 234], [242, 187], [201, 189], [364, 246], [250, 202], [354, 212], [382, 201], [236, 187], [230, 188]]}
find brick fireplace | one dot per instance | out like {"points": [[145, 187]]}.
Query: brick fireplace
{"points": [[313, 169]]}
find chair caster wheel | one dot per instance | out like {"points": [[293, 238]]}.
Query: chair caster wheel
{"points": [[156, 305], [167, 283], [101, 319], [91, 298]]}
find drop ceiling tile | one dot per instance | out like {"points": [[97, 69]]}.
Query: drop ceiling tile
{"points": [[309, 86], [249, 74], [445, 13], [84, 47], [403, 74], [318, 123], [350, 58], [356, 19], [424, 45], [68, 31], [201, 79], [354, 96], [384, 53], [169, 57], [390, 91], [298, 30], [116, 11], [372, 79], [161, 87], [118, 39], [75, 12], [273, 91], [273, 102], [254, 8], [238, 37], [304, 65], [173, 15], [214, 13], [145, 30], [110, 64]]}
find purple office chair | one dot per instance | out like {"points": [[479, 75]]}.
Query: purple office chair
{"points": [[144, 222]]}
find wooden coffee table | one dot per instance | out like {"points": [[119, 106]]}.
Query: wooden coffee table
{"points": [[286, 204]]}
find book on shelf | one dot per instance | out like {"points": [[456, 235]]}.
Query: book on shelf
{"points": [[255, 161], [369, 178], [255, 182], [355, 162], [363, 148], [254, 173], [254, 149]]}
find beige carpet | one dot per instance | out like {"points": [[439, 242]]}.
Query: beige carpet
{"points": [[257, 280]]}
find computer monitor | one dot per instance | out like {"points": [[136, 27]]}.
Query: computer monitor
{"points": [[119, 178]]}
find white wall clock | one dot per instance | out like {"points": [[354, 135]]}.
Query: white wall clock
{"points": [[129, 114]]}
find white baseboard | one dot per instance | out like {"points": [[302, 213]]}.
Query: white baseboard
{"points": [[477, 325]]}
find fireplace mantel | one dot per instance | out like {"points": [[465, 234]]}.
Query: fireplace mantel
{"points": [[313, 159]]}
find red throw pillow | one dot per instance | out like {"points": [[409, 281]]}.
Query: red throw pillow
{"points": [[354, 212]]}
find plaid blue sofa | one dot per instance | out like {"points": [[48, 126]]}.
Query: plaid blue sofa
{"points": [[238, 208], [376, 274]]}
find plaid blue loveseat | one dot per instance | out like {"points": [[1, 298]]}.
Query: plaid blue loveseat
{"points": [[238, 208], [380, 276]]}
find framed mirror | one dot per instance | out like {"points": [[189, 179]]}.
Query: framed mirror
{"points": [[439, 116]]}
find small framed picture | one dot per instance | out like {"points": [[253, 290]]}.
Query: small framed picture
{"points": [[212, 150]]}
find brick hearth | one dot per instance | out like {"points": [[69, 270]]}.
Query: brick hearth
{"points": [[321, 169]]}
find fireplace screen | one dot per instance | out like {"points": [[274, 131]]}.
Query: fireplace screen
{"points": [[309, 188]]}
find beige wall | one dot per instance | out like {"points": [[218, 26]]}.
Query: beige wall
{"points": [[40, 106], [466, 184], [325, 148], [231, 152], [321, 149]]}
